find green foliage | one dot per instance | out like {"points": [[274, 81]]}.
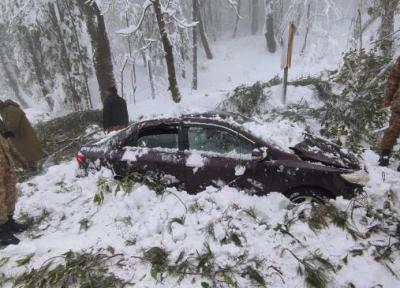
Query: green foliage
{"points": [[352, 99], [83, 270], [151, 180], [203, 264], [315, 268], [99, 198], [363, 77], [322, 215], [249, 100], [34, 221], [356, 112], [62, 136], [84, 224], [4, 261], [104, 187], [254, 275], [178, 220], [232, 237], [24, 261]]}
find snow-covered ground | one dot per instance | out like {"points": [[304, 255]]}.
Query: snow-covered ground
{"points": [[265, 233], [267, 228]]}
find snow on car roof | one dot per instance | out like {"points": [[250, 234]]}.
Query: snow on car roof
{"points": [[282, 134]]}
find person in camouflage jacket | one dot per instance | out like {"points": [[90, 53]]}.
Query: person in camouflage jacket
{"points": [[8, 190], [392, 99]]}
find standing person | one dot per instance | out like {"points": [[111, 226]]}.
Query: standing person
{"points": [[115, 111], [25, 139], [8, 189], [392, 99]]}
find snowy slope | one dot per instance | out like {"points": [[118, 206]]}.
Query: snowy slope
{"points": [[239, 229]]}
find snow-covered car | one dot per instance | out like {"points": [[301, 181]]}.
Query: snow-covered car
{"points": [[197, 151]]}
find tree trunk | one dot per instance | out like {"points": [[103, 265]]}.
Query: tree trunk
{"points": [[37, 66], [203, 35], [254, 16], [78, 44], [308, 27], [237, 19], [195, 9], [133, 71], [65, 61], [269, 26], [11, 80], [169, 56], [151, 79], [100, 44], [386, 29]]}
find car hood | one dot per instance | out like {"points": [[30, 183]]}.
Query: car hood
{"points": [[316, 149]]}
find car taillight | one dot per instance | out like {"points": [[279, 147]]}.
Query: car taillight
{"points": [[81, 158]]}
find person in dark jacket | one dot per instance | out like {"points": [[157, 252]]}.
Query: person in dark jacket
{"points": [[392, 99], [115, 112]]}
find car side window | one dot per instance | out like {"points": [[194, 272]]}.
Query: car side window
{"points": [[210, 139], [166, 137]]}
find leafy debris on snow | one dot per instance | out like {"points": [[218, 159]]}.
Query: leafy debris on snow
{"points": [[83, 270], [61, 137]]}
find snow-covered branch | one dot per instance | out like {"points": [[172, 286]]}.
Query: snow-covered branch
{"points": [[134, 28]]}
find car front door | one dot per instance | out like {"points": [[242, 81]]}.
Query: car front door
{"points": [[218, 156], [155, 150]]}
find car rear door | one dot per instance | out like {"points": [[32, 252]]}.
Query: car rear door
{"points": [[218, 156], [155, 150]]}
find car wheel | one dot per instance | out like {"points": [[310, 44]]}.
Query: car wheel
{"points": [[308, 195]]}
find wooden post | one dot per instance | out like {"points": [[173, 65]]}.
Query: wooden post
{"points": [[287, 58], [285, 83]]}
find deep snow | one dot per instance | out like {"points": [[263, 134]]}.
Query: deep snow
{"points": [[144, 218]]}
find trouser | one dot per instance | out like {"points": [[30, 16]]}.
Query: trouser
{"points": [[393, 132], [8, 193]]}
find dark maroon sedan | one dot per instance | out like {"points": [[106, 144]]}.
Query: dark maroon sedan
{"points": [[196, 151]]}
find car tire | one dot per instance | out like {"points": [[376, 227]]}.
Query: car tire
{"points": [[308, 194]]}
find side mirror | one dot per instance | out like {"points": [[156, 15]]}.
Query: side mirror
{"points": [[259, 154]]}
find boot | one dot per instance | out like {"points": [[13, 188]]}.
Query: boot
{"points": [[385, 157], [15, 227], [6, 237]]}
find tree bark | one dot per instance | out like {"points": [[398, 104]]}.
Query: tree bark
{"points": [[151, 79], [308, 27], [101, 46], [194, 30], [37, 66], [78, 44], [203, 34], [65, 61], [237, 19], [269, 26], [254, 16], [11, 79], [168, 49], [386, 30]]}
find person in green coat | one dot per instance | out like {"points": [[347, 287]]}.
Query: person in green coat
{"points": [[23, 135]]}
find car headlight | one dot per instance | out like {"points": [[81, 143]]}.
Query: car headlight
{"points": [[359, 177]]}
